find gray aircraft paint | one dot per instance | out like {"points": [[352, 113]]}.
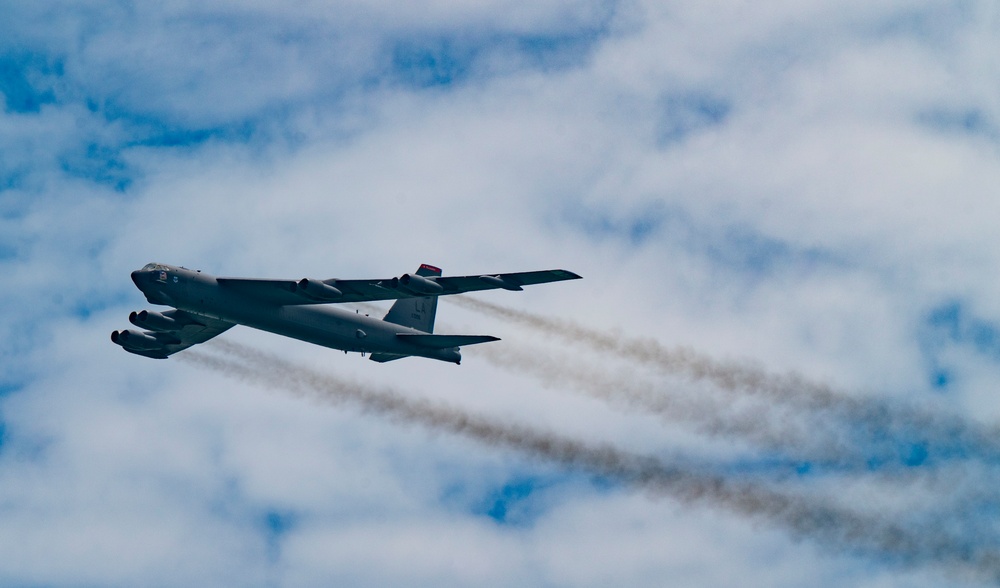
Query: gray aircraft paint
{"points": [[207, 306]]}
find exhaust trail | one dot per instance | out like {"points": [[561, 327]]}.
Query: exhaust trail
{"points": [[871, 533], [766, 427], [797, 438], [731, 376], [865, 422], [709, 414]]}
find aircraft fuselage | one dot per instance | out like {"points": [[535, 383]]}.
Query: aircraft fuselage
{"points": [[201, 294]]}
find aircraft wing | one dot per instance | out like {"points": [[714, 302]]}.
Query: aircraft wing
{"points": [[164, 338], [291, 292], [514, 281]]}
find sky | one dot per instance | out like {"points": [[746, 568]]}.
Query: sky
{"points": [[778, 370]]}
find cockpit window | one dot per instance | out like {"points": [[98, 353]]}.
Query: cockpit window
{"points": [[152, 267]]}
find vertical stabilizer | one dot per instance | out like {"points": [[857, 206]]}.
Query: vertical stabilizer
{"points": [[416, 313]]}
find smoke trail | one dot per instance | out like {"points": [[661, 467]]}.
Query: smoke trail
{"points": [[875, 421], [764, 426], [790, 388], [869, 533], [808, 439]]}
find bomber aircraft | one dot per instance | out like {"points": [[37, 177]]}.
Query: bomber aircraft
{"points": [[205, 306]]}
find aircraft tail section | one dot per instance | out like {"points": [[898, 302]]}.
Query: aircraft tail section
{"points": [[443, 347], [444, 341], [416, 313]]}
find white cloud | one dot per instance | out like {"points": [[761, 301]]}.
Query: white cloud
{"points": [[785, 183]]}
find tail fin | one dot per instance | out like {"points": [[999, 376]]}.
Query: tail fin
{"points": [[416, 313]]}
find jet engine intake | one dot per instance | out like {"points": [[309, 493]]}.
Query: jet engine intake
{"points": [[416, 284], [130, 339], [154, 321]]}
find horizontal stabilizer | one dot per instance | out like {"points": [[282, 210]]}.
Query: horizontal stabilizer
{"points": [[444, 341]]}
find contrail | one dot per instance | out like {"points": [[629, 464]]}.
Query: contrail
{"points": [[767, 427], [809, 438], [870, 533], [790, 388], [872, 421]]}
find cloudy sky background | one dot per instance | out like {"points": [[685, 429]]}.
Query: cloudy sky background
{"points": [[804, 186]]}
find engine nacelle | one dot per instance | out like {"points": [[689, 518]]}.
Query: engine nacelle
{"points": [[154, 321], [417, 284], [499, 282], [317, 289], [135, 340]]}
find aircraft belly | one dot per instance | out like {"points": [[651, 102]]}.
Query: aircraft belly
{"points": [[332, 327], [325, 325], [341, 329], [321, 325]]}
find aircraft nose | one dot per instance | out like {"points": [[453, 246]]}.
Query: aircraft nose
{"points": [[135, 277]]}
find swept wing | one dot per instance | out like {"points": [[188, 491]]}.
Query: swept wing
{"points": [[291, 292]]}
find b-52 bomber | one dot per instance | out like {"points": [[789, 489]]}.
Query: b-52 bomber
{"points": [[205, 306]]}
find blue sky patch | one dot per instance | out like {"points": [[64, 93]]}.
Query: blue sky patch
{"points": [[951, 323], [516, 502], [11, 179], [147, 130], [88, 302], [506, 500], [276, 524], [104, 162], [689, 113], [24, 81], [765, 466], [93, 149], [99, 164], [8, 388], [240, 132], [635, 227], [970, 121], [940, 377], [24, 446], [747, 249], [933, 24], [916, 455], [8, 251], [29, 80], [739, 249], [438, 63], [556, 52], [449, 59]]}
